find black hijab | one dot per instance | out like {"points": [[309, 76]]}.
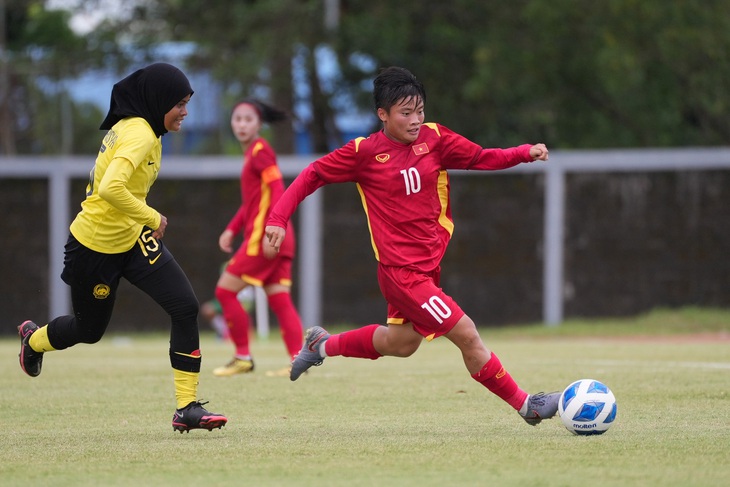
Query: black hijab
{"points": [[149, 93]]}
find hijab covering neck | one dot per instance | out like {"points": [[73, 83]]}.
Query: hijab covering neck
{"points": [[148, 93]]}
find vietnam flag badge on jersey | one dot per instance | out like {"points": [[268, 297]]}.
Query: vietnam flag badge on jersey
{"points": [[420, 149]]}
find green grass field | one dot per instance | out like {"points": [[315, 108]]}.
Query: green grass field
{"points": [[101, 415]]}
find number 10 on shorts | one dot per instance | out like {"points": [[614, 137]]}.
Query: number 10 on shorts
{"points": [[438, 309]]}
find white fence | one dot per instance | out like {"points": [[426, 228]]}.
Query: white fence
{"points": [[60, 170]]}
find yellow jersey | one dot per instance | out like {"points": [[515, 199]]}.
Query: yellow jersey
{"points": [[115, 208]]}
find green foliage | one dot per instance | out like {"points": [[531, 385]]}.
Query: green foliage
{"points": [[572, 73], [49, 29], [248, 46], [37, 114]]}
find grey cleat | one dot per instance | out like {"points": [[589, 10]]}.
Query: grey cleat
{"points": [[541, 406], [309, 355]]}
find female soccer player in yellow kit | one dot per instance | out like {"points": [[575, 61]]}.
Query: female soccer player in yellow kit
{"points": [[116, 234]]}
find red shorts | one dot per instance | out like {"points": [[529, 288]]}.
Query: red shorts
{"points": [[259, 271], [416, 297]]}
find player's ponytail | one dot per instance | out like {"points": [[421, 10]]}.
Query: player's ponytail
{"points": [[266, 112]]}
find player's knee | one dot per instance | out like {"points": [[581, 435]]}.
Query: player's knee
{"points": [[472, 339], [405, 349], [224, 295], [91, 336], [466, 336], [191, 307], [183, 309]]}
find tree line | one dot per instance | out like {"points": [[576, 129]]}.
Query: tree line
{"points": [[571, 73]]}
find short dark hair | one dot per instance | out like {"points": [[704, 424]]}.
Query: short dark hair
{"points": [[393, 84]]}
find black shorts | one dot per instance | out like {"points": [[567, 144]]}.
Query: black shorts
{"points": [[82, 264]]}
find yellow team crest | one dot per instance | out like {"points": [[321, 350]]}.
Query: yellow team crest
{"points": [[101, 291]]}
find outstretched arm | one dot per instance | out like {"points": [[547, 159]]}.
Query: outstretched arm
{"points": [[497, 159]]}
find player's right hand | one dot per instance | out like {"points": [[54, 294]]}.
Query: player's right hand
{"points": [[275, 235], [225, 241], [160, 232], [539, 152]]}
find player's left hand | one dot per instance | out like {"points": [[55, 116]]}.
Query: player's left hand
{"points": [[539, 152], [275, 235]]}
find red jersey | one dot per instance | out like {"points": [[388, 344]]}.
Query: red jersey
{"points": [[261, 187], [404, 189]]}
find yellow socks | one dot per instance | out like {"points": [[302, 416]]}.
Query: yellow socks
{"points": [[186, 387], [39, 340]]}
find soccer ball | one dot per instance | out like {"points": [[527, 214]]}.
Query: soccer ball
{"points": [[587, 407]]}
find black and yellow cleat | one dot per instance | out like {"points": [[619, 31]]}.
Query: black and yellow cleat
{"points": [[195, 416], [30, 360]]}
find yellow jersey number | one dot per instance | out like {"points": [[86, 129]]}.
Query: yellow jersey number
{"points": [[149, 245]]}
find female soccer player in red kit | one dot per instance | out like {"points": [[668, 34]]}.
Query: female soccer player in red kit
{"points": [[401, 174], [256, 263]]}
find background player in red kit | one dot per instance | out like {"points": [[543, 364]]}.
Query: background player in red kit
{"points": [[256, 262], [401, 174]]}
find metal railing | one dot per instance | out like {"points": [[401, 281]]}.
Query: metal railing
{"points": [[60, 170]]}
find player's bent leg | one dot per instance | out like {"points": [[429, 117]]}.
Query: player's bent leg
{"points": [[370, 342], [492, 375]]}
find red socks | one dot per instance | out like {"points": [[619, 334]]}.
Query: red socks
{"points": [[359, 343], [354, 343], [498, 381], [236, 319], [290, 324]]}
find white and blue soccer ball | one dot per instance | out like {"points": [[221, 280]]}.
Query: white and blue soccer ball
{"points": [[587, 407]]}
